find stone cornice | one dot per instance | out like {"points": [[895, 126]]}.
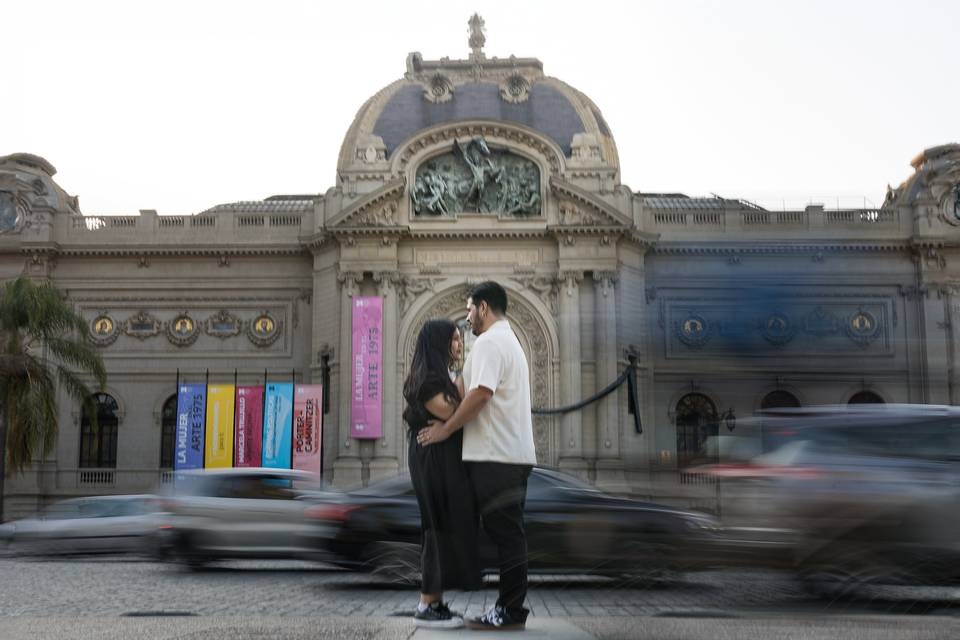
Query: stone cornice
{"points": [[296, 249], [808, 247], [492, 233]]}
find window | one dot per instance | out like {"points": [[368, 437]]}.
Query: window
{"points": [[696, 421], [779, 399], [168, 427], [865, 397], [98, 444]]}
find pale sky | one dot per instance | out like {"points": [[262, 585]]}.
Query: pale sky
{"points": [[181, 105]]}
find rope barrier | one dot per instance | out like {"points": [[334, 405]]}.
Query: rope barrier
{"points": [[628, 376]]}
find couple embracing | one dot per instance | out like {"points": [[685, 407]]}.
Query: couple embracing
{"points": [[471, 452]]}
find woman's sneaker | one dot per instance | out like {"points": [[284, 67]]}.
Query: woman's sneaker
{"points": [[437, 616], [497, 619]]}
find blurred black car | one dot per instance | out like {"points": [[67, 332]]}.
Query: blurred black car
{"points": [[856, 495], [571, 528]]}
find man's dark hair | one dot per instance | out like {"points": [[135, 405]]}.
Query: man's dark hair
{"points": [[493, 294]]}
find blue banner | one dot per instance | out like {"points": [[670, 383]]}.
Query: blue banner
{"points": [[278, 425], [191, 417]]}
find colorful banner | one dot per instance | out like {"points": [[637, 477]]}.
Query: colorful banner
{"points": [[307, 414], [249, 427], [277, 426], [219, 441], [367, 364], [191, 401]]}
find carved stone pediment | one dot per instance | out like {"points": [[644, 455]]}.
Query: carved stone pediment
{"points": [[579, 208], [378, 209]]}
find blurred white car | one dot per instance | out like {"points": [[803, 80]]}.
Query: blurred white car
{"points": [[240, 513], [101, 524]]}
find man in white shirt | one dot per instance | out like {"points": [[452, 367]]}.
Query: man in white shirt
{"points": [[498, 448]]}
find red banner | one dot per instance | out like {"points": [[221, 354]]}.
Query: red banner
{"points": [[249, 427], [307, 429]]}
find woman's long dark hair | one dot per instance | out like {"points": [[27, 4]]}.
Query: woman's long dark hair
{"points": [[430, 365]]}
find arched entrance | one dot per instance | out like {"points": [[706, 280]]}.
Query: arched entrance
{"points": [[535, 336], [696, 422], [865, 397]]}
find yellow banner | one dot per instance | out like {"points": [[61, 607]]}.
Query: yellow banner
{"points": [[218, 452]]}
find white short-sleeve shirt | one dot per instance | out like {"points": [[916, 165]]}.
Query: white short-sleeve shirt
{"points": [[503, 430]]}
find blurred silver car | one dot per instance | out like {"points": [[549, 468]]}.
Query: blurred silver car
{"points": [[239, 513], [101, 524], [859, 495]]}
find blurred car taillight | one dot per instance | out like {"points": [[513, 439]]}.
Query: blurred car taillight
{"points": [[331, 512], [761, 471]]}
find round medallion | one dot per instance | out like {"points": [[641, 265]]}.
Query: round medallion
{"points": [[103, 330], [263, 326], [863, 327], [264, 329], [515, 89], [693, 331], [183, 326], [777, 329], [182, 330]]}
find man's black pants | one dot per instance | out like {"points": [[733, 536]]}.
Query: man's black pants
{"points": [[501, 492]]}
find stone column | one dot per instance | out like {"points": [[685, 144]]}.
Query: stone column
{"points": [[609, 464], [571, 427], [385, 461], [347, 468]]}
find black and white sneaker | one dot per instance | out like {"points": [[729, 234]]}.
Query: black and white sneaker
{"points": [[437, 616], [497, 619]]}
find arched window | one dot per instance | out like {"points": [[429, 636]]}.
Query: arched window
{"points": [[865, 397], [779, 399], [696, 421], [98, 444], [168, 426]]}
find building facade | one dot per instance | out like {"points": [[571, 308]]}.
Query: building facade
{"points": [[486, 168]]}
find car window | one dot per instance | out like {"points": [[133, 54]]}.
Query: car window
{"points": [[62, 511], [257, 488]]}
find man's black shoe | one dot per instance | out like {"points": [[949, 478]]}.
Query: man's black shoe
{"points": [[497, 619], [437, 616]]}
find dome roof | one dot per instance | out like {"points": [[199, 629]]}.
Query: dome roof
{"points": [[506, 90]]}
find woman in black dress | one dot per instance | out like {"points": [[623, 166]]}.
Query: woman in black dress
{"points": [[449, 558]]}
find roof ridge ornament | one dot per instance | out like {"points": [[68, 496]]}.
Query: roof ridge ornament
{"points": [[477, 39]]}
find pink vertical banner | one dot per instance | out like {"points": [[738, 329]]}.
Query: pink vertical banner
{"points": [[307, 413], [367, 365], [249, 427]]}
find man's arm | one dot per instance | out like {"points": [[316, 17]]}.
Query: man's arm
{"points": [[475, 401]]}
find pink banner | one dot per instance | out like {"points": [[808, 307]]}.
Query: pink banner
{"points": [[307, 414], [367, 365], [249, 427]]}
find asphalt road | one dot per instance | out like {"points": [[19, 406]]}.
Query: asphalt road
{"points": [[123, 598]]}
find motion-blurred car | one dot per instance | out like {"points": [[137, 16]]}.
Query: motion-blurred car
{"points": [[102, 524], [239, 513], [859, 495], [571, 527]]}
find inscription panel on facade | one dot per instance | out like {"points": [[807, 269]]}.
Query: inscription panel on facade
{"points": [[811, 327], [477, 256]]}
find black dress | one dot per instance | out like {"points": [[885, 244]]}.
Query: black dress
{"points": [[449, 521]]}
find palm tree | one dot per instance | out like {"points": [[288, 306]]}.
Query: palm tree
{"points": [[43, 342]]}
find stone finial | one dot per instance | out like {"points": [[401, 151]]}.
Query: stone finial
{"points": [[477, 39]]}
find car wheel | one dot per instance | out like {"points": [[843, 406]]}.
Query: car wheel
{"points": [[851, 573], [395, 562], [189, 555]]}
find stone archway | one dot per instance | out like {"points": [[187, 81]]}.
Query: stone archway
{"points": [[529, 326]]}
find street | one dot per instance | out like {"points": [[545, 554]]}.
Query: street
{"points": [[120, 597]]}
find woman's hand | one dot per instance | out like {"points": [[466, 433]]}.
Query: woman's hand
{"points": [[434, 432]]}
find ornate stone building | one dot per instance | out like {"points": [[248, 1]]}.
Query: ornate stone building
{"points": [[464, 170]]}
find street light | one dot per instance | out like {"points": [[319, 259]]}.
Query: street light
{"points": [[729, 419]]}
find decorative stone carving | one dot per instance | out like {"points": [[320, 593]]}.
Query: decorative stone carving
{"points": [[472, 178], [384, 215], [778, 329], [264, 329], [408, 288], [694, 330], [605, 281], [350, 281], [585, 150], [141, 326], [950, 205], [820, 322], [546, 288], [223, 325], [103, 330], [438, 89], [371, 149], [182, 331], [862, 327], [515, 89], [571, 214], [571, 280]]}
